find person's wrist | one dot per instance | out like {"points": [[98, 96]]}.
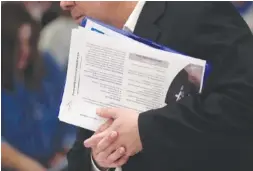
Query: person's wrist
{"points": [[97, 165]]}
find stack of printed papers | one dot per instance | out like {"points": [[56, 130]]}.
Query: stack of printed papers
{"points": [[109, 69]]}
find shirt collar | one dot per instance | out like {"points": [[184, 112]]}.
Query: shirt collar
{"points": [[133, 18]]}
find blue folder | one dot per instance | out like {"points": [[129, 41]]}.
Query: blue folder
{"points": [[139, 39]]}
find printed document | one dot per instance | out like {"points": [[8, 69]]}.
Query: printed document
{"points": [[113, 71]]}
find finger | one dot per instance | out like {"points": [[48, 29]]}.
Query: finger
{"points": [[123, 160], [103, 155], [106, 142], [104, 126], [108, 112], [94, 139], [116, 155]]}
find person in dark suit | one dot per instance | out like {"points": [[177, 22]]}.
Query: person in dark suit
{"points": [[208, 131]]}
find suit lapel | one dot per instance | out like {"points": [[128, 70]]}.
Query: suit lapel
{"points": [[146, 25]]}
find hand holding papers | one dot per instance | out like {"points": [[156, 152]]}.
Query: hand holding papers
{"points": [[112, 70]]}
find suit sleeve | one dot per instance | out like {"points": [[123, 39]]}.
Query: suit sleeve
{"points": [[217, 123], [79, 158]]}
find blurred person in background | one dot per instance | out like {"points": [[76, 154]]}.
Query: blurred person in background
{"points": [[41, 11], [245, 8], [54, 43], [32, 137], [36, 9], [55, 40]]}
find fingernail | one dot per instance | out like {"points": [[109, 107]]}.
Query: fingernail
{"points": [[121, 150], [113, 134]]}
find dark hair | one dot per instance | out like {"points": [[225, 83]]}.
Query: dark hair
{"points": [[15, 15]]}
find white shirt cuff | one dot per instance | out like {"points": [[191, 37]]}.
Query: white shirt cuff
{"points": [[94, 167]]}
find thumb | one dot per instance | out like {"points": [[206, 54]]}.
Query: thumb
{"points": [[108, 112]]}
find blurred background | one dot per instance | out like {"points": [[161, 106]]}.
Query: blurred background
{"points": [[35, 46]]}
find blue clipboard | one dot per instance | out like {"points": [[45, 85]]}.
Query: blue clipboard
{"points": [[139, 39]]}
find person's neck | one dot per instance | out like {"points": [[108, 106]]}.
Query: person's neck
{"points": [[123, 12]]}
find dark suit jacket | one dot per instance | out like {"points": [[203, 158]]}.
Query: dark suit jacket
{"points": [[208, 132]]}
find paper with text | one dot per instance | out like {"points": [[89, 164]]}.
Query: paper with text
{"points": [[107, 71]]}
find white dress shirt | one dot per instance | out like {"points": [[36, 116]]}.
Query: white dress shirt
{"points": [[129, 25], [248, 17]]}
